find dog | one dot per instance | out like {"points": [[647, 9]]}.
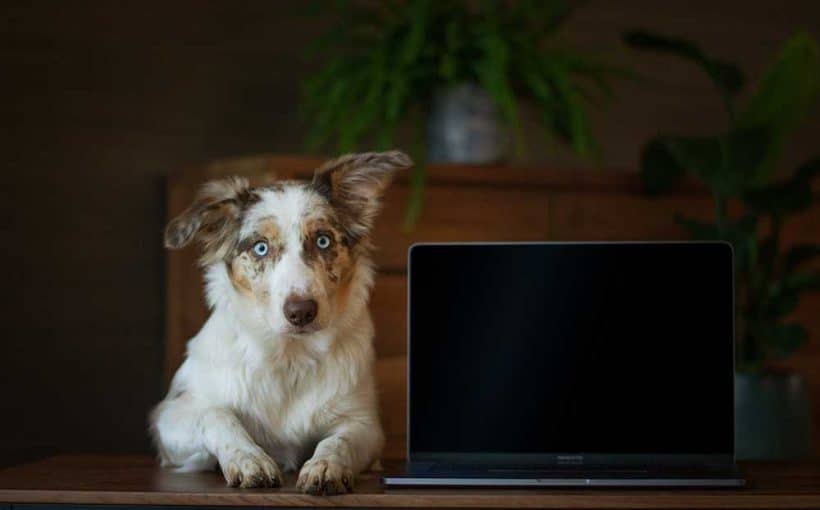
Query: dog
{"points": [[280, 377]]}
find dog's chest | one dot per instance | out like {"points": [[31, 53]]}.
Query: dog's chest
{"points": [[283, 403]]}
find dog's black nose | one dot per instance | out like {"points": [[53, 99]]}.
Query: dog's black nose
{"points": [[300, 311]]}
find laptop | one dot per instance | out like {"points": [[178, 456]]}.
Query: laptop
{"points": [[570, 364]]}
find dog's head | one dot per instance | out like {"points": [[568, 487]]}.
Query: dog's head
{"points": [[295, 253]]}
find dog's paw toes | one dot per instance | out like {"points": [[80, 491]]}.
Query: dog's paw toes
{"points": [[323, 477], [251, 469]]}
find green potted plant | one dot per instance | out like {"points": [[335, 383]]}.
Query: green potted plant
{"points": [[461, 66], [739, 166]]}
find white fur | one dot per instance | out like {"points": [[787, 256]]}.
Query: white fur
{"points": [[254, 397]]}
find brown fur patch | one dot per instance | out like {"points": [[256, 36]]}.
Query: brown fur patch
{"points": [[242, 270], [344, 290], [336, 260], [244, 267], [268, 229], [213, 219], [353, 185]]}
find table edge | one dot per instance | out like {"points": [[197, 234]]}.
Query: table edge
{"points": [[626, 499]]}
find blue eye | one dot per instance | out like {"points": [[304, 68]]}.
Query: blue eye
{"points": [[260, 249], [323, 242]]}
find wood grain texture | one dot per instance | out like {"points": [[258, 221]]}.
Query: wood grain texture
{"points": [[391, 374], [388, 305], [472, 204], [455, 212], [136, 480]]}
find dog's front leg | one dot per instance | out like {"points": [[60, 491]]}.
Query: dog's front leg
{"points": [[185, 430], [350, 449], [243, 462]]}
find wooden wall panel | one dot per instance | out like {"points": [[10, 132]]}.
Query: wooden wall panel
{"points": [[472, 204], [453, 213], [391, 374], [617, 216], [804, 228], [388, 304]]}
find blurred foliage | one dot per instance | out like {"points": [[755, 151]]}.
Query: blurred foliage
{"points": [[739, 165], [386, 59]]}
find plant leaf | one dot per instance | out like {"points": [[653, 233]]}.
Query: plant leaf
{"points": [[413, 43], [801, 282], [808, 170], [786, 96], [698, 229], [799, 254], [493, 74], [580, 133], [741, 234], [780, 199], [415, 204], [727, 77], [703, 156], [782, 304], [660, 170], [724, 163], [746, 151], [784, 340], [782, 297]]}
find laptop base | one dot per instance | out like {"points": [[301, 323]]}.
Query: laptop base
{"points": [[518, 478]]}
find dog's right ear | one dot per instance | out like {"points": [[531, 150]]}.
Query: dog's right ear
{"points": [[213, 219]]}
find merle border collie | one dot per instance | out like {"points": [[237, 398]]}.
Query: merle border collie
{"points": [[280, 377]]}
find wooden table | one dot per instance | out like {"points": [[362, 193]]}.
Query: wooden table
{"points": [[136, 480]]}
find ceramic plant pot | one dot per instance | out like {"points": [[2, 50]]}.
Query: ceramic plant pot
{"points": [[772, 416], [465, 127]]}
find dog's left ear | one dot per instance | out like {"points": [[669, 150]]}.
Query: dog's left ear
{"points": [[354, 184]]}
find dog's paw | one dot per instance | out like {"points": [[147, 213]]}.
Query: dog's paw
{"points": [[323, 477], [247, 469]]}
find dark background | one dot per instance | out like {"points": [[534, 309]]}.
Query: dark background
{"points": [[102, 99]]}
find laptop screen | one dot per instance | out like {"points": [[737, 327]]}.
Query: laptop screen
{"points": [[586, 348]]}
